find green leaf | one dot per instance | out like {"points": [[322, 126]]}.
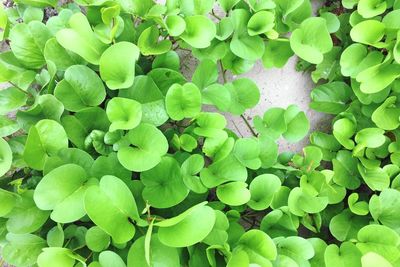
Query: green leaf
{"points": [[262, 190], [378, 77], [45, 139], [110, 205], [371, 8], [297, 124], [345, 225], [379, 239], [199, 31], [224, 29], [261, 22], [368, 32], [80, 39], [8, 126], [258, 246], [228, 169], [370, 137], [45, 107], [159, 253], [69, 155], [110, 258], [80, 88], [25, 217], [169, 60], [244, 95], [117, 65], [55, 236], [376, 178], [358, 208], [81, 124], [22, 250], [312, 40], [331, 98], [297, 248], [383, 208], [149, 43], [332, 21], [233, 193], [63, 256], [27, 43], [372, 259], [175, 25], [8, 200], [164, 186], [62, 190], [124, 113], [11, 99], [188, 228], [343, 130], [347, 255], [386, 116], [149, 146], [277, 53], [247, 151], [38, 3], [96, 239], [183, 101], [61, 57], [5, 157], [206, 74], [243, 45], [300, 202]]}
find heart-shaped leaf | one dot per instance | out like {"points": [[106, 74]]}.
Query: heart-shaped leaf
{"points": [[117, 65], [80, 88], [149, 146]]}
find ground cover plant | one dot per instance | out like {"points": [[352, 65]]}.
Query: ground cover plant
{"points": [[108, 157]]}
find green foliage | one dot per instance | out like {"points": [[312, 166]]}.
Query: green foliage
{"points": [[108, 157]]}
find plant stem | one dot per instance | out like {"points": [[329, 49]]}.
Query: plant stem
{"points": [[215, 15], [223, 71], [21, 90], [248, 125]]}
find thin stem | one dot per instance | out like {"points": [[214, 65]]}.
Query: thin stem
{"points": [[223, 71], [90, 255], [248, 125], [215, 15], [20, 89]]}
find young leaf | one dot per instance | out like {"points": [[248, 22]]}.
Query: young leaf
{"points": [[124, 113], [80, 39], [199, 31], [183, 101], [117, 65], [149, 43], [312, 40], [262, 190]]}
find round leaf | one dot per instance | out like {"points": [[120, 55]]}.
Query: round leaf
{"points": [[124, 113], [149, 146], [164, 186], [80, 88], [183, 101]]}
